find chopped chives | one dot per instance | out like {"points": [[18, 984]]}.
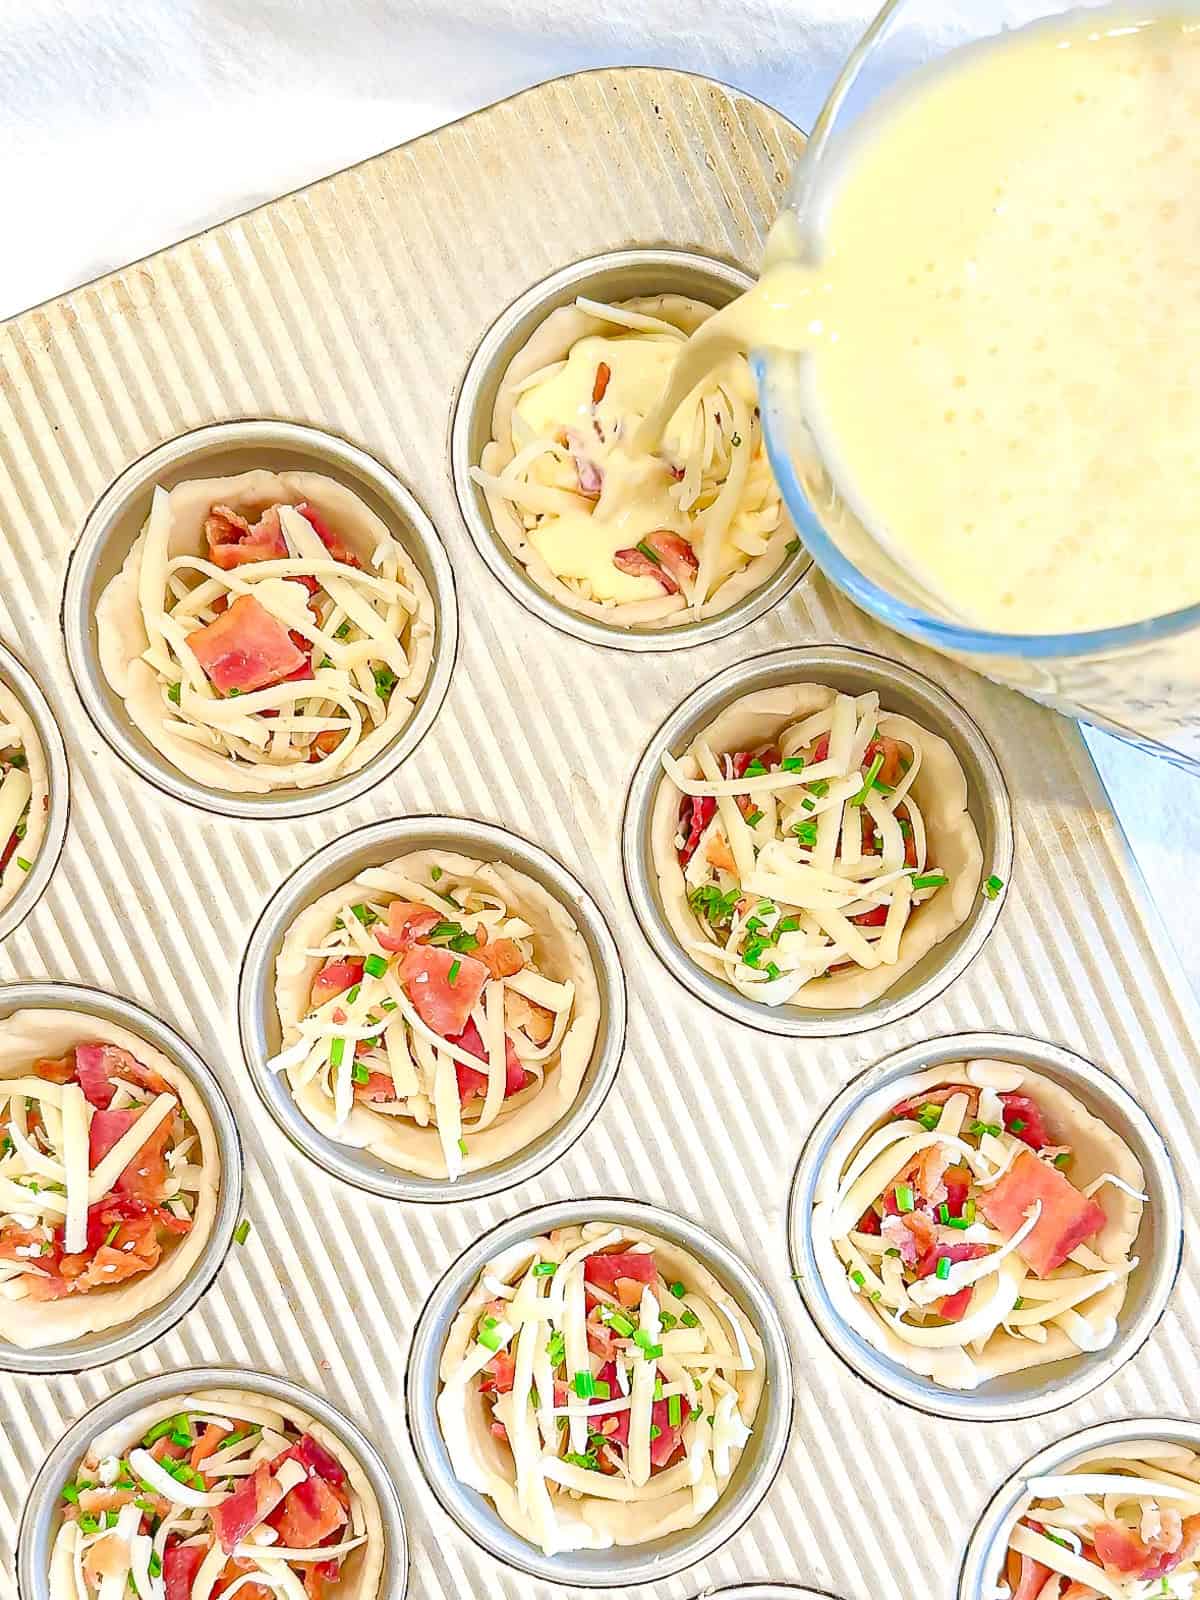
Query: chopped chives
{"points": [[677, 1290], [650, 555], [930, 880], [545, 1269], [154, 1564], [929, 1116], [873, 772], [690, 1319], [943, 1212], [793, 763], [1018, 1303], [112, 1233], [359, 1073], [337, 1052], [809, 805], [904, 1197], [455, 969], [240, 1235], [668, 1321], [556, 1347], [806, 832], [960, 1223], [25, 866], [619, 1324], [387, 1005], [435, 873], [993, 886], [820, 788], [71, 1493], [174, 693], [588, 1462], [462, 1147], [385, 681], [488, 1339], [787, 925], [969, 1212], [353, 993], [602, 1391], [674, 1410], [365, 915], [942, 1270], [856, 1277], [791, 547], [772, 971], [755, 770], [375, 966], [1063, 1160], [655, 1433], [753, 820], [980, 1128], [584, 1385]]}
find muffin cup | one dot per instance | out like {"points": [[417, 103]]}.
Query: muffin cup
{"points": [[227, 448], [621, 1566], [851, 671], [983, 1561], [338, 863], [17, 678], [112, 1344], [620, 275], [40, 1519], [1159, 1243]]}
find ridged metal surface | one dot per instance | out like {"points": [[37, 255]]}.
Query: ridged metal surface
{"points": [[355, 306]]}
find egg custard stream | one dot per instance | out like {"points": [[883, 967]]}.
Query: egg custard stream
{"points": [[1002, 323]]}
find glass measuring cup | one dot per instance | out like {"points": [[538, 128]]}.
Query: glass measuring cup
{"points": [[1140, 680]]}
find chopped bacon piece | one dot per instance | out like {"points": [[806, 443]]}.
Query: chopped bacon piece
{"points": [[502, 957], [325, 744], [604, 1270], [958, 1187], [875, 918], [232, 541], [309, 1514], [135, 1250], [443, 1005], [245, 648], [121, 1209], [500, 1373], [19, 1244], [936, 1097], [310, 1453], [820, 751], [207, 1444], [1124, 1554], [408, 921], [335, 977], [665, 1442], [953, 1307], [378, 1088], [869, 1221], [108, 1557], [536, 1021], [893, 753], [1026, 1577], [145, 1177], [471, 1082], [107, 1129], [332, 542], [94, 1066], [181, 1562], [639, 565], [600, 387], [696, 812], [246, 1507], [1021, 1109], [60, 1071], [1067, 1217], [676, 554], [910, 838], [912, 1234], [718, 854], [953, 1253]]}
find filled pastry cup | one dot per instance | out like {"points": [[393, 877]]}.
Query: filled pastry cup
{"points": [[267, 631], [211, 1482], [33, 792], [1112, 1513], [434, 1007], [814, 839], [120, 1177], [625, 547], [1015, 1241], [612, 1393], [260, 619]]}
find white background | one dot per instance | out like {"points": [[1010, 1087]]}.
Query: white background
{"points": [[128, 124]]}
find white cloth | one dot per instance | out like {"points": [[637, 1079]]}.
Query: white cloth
{"points": [[126, 124]]}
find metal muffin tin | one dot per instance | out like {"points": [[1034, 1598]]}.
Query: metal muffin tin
{"points": [[338, 863], [18, 679], [983, 1561], [40, 1521], [1159, 1244], [214, 451], [354, 306], [622, 1566], [900, 690], [113, 1344], [619, 275]]}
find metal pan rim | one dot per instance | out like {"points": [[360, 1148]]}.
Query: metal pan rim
{"points": [[255, 999], [475, 390], [982, 1553], [127, 1338], [21, 681], [41, 1501], [623, 1566], [698, 709], [1089, 1372], [111, 721]]}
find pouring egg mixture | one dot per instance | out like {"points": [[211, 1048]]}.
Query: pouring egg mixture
{"points": [[1000, 358], [631, 537]]}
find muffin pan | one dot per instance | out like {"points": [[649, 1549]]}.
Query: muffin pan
{"points": [[353, 312]]}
